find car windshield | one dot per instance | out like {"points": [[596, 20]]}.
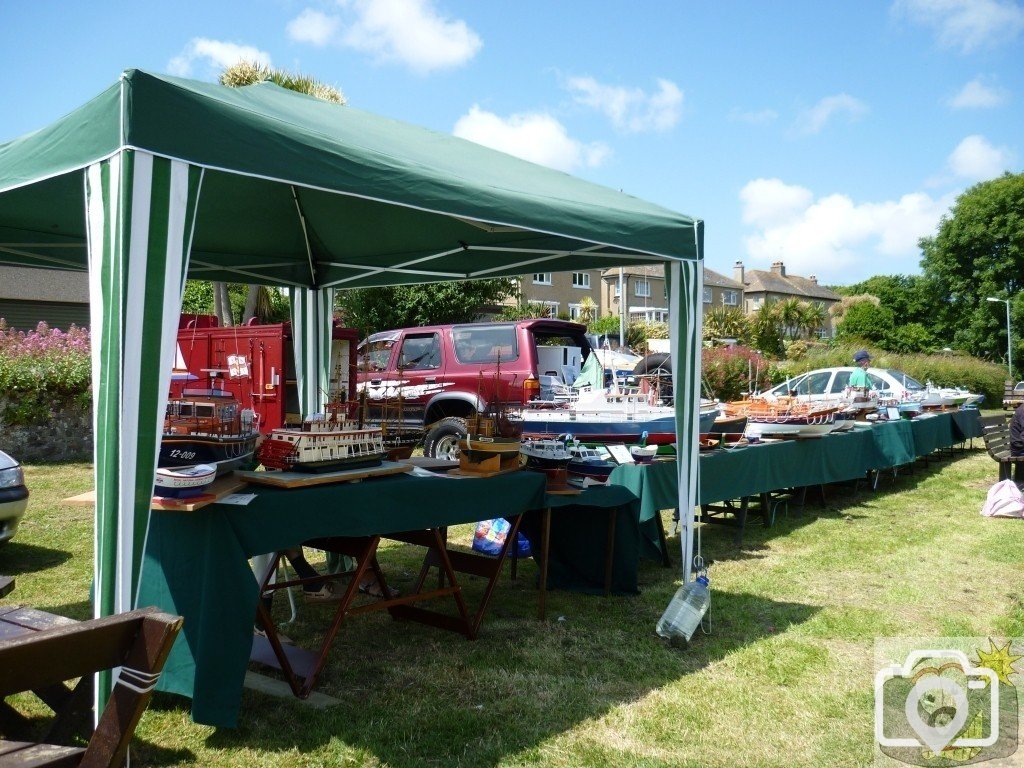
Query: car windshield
{"points": [[909, 383]]}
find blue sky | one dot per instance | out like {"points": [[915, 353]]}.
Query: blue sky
{"points": [[830, 136]]}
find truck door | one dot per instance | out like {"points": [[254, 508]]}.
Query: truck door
{"points": [[420, 368]]}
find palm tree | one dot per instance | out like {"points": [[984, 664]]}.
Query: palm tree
{"points": [[790, 314], [813, 317], [238, 76], [726, 323]]}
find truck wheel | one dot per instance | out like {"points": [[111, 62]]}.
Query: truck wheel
{"points": [[442, 441]]}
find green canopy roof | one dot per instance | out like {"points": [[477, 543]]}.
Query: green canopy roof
{"points": [[299, 191], [174, 177]]}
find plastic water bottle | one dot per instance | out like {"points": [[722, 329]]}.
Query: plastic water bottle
{"points": [[684, 613]]}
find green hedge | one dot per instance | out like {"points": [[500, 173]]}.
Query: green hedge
{"points": [[42, 372]]}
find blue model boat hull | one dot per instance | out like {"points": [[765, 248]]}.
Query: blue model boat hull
{"points": [[660, 430]]}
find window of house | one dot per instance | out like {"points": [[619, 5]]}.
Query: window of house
{"points": [[542, 278], [707, 294], [615, 290], [550, 308], [642, 288], [648, 314], [580, 279], [574, 311], [729, 298]]}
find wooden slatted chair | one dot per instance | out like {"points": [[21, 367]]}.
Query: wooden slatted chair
{"points": [[138, 642]]}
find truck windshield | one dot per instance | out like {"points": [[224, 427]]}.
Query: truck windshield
{"points": [[486, 344]]}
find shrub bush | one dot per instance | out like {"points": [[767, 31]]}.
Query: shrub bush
{"points": [[730, 372], [43, 371]]}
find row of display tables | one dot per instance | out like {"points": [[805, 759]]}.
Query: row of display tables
{"points": [[197, 564]]}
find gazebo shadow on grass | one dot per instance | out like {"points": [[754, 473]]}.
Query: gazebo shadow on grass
{"points": [[410, 695]]}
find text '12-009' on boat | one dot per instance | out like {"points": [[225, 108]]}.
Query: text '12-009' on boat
{"points": [[326, 442], [207, 426]]}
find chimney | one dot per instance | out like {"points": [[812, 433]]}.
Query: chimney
{"points": [[737, 273], [779, 268], [813, 279]]}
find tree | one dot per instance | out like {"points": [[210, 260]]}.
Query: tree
{"points": [[910, 297], [978, 252], [790, 314], [766, 330], [864, 321], [723, 322], [405, 306], [813, 317]]}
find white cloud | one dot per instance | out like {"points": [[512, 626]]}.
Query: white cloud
{"points": [[758, 117], [536, 137], [314, 27], [631, 109], [218, 55], [814, 119], [975, 159], [833, 237], [410, 32], [977, 95], [966, 24], [771, 200]]}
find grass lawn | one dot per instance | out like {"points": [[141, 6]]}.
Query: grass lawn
{"points": [[785, 677]]}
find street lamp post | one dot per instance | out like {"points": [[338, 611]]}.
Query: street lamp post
{"points": [[1009, 344]]}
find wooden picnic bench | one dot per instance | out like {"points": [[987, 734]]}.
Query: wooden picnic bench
{"points": [[997, 443], [40, 652]]}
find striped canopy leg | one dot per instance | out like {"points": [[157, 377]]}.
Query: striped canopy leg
{"points": [[685, 286], [312, 327], [140, 215]]}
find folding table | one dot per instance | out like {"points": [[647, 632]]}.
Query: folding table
{"points": [[197, 564]]}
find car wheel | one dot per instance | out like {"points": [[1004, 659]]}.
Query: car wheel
{"points": [[442, 441]]}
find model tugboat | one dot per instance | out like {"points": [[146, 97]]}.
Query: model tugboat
{"points": [[207, 426], [327, 442], [550, 457], [587, 463]]}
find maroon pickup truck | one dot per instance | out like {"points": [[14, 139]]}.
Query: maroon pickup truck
{"points": [[438, 375]]}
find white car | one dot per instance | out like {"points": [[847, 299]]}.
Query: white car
{"points": [[827, 384], [13, 496]]}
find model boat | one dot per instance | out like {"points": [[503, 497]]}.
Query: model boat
{"points": [[588, 462], [327, 442], [643, 454], [599, 417], [185, 482], [785, 416], [545, 454], [207, 426]]}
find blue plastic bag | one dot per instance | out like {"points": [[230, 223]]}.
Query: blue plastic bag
{"points": [[490, 536]]}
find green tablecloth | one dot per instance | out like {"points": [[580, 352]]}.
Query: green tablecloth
{"points": [[894, 442], [751, 470], [967, 424], [196, 564], [578, 543], [932, 432]]}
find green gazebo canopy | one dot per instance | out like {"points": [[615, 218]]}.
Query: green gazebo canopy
{"points": [[159, 178]]}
